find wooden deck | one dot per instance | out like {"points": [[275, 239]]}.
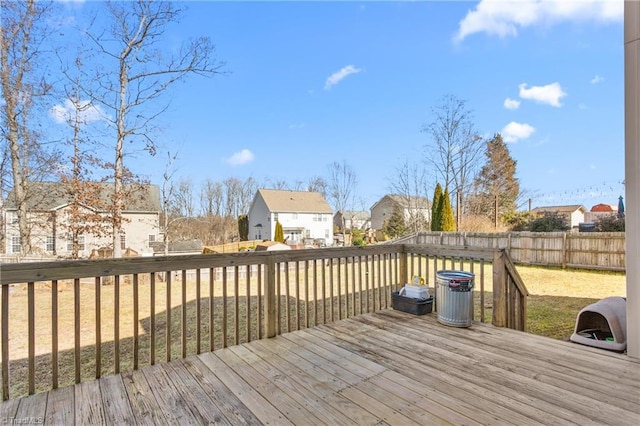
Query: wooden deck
{"points": [[382, 368]]}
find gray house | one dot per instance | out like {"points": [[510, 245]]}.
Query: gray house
{"points": [[416, 211], [50, 214]]}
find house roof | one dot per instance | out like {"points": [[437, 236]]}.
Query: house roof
{"points": [[560, 209], [603, 208], [279, 201], [48, 196], [405, 201]]}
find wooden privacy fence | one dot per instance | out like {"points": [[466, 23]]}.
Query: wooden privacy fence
{"points": [[586, 250], [67, 322]]}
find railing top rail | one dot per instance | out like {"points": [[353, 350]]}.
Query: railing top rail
{"points": [[11, 273]]}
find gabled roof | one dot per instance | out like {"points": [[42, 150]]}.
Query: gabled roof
{"points": [[48, 196], [279, 201], [406, 201], [560, 209]]}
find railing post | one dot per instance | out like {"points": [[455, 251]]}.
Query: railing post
{"points": [[403, 267], [499, 318], [270, 297]]}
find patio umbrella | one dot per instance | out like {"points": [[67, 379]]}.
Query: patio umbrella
{"points": [[620, 208]]}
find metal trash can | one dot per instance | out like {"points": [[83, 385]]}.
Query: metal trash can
{"points": [[454, 298]]}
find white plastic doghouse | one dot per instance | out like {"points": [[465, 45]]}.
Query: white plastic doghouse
{"points": [[603, 324]]}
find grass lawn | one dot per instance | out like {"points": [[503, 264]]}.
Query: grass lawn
{"points": [[556, 296]]}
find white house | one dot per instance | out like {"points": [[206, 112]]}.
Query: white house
{"points": [[302, 214], [416, 211], [574, 214], [50, 213]]}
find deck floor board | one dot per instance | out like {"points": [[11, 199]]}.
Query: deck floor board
{"points": [[374, 369]]}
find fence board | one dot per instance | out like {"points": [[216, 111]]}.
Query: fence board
{"points": [[593, 250]]}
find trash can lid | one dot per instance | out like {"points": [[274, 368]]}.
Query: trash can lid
{"points": [[456, 278]]}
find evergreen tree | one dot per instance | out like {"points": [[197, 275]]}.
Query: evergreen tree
{"points": [[497, 178], [448, 222], [243, 227], [396, 226], [279, 233], [436, 209]]}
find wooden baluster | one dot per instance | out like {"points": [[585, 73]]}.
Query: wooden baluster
{"points": [[136, 307], [152, 314], [116, 326], [31, 303], [54, 334]]}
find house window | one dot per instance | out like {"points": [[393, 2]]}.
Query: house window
{"points": [[152, 239], [80, 243], [307, 233], [50, 245], [275, 216], [15, 244], [12, 218], [123, 241], [294, 216], [326, 233]]}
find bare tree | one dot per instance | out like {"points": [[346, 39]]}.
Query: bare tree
{"points": [[233, 196], [211, 198], [455, 151], [184, 198], [318, 184], [249, 188], [410, 182], [341, 187], [168, 192], [137, 74], [23, 28], [84, 193]]}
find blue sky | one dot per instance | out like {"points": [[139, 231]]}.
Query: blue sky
{"points": [[310, 83]]}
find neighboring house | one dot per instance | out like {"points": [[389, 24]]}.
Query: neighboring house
{"points": [[574, 214], [416, 211], [302, 214], [353, 219], [599, 211], [50, 217]]}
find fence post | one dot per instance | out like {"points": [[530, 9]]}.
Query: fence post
{"points": [[270, 297], [499, 318], [564, 250]]}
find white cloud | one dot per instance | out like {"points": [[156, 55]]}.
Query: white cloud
{"points": [[338, 76], [241, 157], [597, 79], [504, 18], [511, 103], [513, 131], [87, 112], [549, 94]]}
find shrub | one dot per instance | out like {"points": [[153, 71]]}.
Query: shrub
{"points": [[549, 222], [610, 224]]}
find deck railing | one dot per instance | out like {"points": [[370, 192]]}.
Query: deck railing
{"points": [[65, 322]]}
